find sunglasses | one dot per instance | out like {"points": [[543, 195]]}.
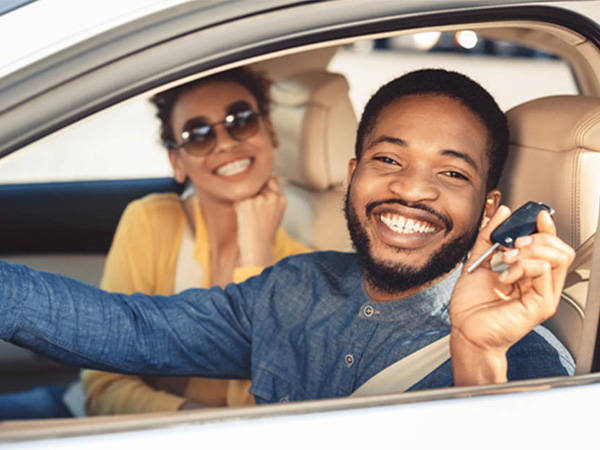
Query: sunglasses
{"points": [[199, 138]]}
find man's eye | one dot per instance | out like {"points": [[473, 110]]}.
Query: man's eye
{"points": [[457, 175], [386, 160]]}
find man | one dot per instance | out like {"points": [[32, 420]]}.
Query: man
{"points": [[429, 152]]}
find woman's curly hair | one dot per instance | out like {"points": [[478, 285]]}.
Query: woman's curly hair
{"points": [[256, 83]]}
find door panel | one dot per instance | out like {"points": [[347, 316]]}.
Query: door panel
{"points": [[64, 228], [76, 217]]}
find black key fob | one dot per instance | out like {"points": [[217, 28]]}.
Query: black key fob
{"points": [[522, 222]]}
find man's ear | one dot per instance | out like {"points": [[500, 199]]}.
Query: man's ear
{"points": [[178, 169], [351, 168], [492, 202]]}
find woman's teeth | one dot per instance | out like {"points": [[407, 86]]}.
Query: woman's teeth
{"points": [[234, 167], [400, 224]]}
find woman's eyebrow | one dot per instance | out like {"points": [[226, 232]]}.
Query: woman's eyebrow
{"points": [[238, 106]]}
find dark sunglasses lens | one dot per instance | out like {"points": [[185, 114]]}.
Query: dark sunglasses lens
{"points": [[202, 140], [244, 126]]}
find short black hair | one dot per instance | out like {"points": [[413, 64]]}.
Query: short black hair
{"points": [[255, 82], [453, 85]]}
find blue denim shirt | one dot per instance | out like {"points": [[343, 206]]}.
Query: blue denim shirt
{"points": [[303, 329]]}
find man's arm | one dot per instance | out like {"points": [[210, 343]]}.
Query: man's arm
{"points": [[131, 266], [199, 332], [490, 312]]}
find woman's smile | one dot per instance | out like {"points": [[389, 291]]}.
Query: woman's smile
{"points": [[240, 166]]}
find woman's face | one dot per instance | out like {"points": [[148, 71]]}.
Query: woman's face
{"points": [[233, 170]]}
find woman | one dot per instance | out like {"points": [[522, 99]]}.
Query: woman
{"points": [[225, 228]]}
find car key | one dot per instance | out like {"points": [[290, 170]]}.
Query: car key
{"points": [[522, 222]]}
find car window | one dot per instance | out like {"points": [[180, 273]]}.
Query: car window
{"points": [[122, 143], [512, 73]]}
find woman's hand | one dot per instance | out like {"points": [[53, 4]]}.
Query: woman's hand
{"points": [[490, 312], [258, 219]]}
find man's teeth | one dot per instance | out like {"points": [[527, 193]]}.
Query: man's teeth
{"points": [[401, 224], [234, 167]]}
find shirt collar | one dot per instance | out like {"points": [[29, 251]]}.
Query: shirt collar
{"points": [[434, 299]]}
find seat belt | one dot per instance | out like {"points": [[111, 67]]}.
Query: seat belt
{"points": [[587, 341], [403, 374], [584, 253]]}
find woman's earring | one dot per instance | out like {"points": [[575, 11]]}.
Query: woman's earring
{"points": [[180, 177]]}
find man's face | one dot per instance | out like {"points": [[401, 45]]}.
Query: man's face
{"points": [[417, 195]]}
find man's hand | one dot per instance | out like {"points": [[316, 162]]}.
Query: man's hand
{"points": [[490, 312], [258, 219]]}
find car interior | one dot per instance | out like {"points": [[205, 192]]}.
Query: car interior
{"points": [[314, 119], [67, 226], [563, 159]]}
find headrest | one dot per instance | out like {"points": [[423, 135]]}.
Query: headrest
{"points": [[316, 126], [555, 158], [558, 123]]}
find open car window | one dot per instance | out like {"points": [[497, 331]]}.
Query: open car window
{"points": [[492, 62], [123, 142]]}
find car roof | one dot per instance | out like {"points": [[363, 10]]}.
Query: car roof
{"points": [[71, 24]]}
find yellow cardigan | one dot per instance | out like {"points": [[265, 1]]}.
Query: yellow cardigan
{"points": [[143, 258]]}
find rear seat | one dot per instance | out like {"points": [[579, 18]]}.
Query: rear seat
{"points": [[555, 158], [316, 126]]}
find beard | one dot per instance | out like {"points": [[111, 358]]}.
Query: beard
{"points": [[396, 277]]}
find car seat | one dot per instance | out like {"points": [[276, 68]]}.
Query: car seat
{"points": [[555, 158], [316, 126]]}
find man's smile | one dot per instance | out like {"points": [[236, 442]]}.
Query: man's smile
{"points": [[409, 227], [405, 225]]}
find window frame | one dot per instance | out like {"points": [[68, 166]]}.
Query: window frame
{"points": [[95, 75]]}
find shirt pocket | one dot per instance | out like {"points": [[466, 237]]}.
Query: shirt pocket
{"points": [[270, 385]]}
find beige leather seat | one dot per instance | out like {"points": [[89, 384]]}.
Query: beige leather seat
{"points": [[316, 126], [555, 158]]}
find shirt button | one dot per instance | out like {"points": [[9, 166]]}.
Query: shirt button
{"points": [[368, 310], [349, 359]]}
